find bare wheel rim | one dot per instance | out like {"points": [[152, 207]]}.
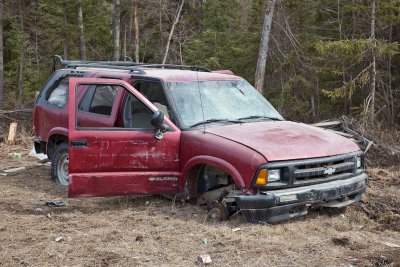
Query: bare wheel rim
{"points": [[62, 169]]}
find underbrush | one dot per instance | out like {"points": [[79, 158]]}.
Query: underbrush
{"points": [[385, 150]]}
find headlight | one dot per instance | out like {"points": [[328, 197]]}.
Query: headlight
{"points": [[274, 175], [359, 162]]}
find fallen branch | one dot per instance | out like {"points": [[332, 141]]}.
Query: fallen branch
{"points": [[15, 111]]}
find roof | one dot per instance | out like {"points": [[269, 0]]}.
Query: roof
{"points": [[169, 75]]}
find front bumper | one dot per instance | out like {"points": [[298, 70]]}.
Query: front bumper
{"points": [[278, 205]]}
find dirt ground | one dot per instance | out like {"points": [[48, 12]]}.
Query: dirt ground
{"points": [[154, 231]]}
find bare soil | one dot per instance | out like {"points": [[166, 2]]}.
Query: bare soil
{"points": [[154, 231]]}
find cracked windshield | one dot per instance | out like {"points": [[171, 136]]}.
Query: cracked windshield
{"points": [[233, 101]]}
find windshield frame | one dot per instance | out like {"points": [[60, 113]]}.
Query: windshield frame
{"points": [[167, 89]]}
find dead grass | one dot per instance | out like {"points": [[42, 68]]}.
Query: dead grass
{"points": [[153, 231]]}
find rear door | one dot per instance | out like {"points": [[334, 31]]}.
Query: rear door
{"points": [[116, 153]]}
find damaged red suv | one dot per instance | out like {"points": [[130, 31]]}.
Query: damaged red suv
{"points": [[119, 128]]}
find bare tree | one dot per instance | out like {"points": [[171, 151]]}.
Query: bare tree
{"points": [[1, 55], [136, 29], [82, 48], [178, 14], [124, 47], [21, 60], [65, 33], [117, 29], [263, 52], [373, 67]]}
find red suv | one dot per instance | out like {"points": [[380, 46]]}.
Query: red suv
{"points": [[119, 128]]}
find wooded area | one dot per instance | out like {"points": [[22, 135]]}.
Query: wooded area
{"points": [[321, 58]]}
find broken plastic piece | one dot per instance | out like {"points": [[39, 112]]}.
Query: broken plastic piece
{"points": [[205, 259]]}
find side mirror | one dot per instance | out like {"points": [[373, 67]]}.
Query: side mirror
{"points": [[158, 122]]}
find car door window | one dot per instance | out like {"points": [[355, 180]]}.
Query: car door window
{"points": [[99, 106], [110, 106], [99, 99]]}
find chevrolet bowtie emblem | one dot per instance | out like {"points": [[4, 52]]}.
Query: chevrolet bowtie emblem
{"points": [[329, 171]]}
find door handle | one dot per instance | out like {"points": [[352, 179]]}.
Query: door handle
{"points": [[78, 143]]}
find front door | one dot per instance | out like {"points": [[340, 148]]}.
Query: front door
{"points": [[116, 152]]}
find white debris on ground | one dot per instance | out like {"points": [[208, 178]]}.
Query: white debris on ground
{"points": [[204, 259], [59, 239], [40, 156]]}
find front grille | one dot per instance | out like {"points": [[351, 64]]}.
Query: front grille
{"points": [[312, 171], [304, 172]]}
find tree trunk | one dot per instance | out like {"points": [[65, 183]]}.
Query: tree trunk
{"points": [[65, 34], [21, 62], [124, 42], [160, 25], [130, 29], [346, 92], [82, 48], [136, 28], [263, 52], [339, 20], [373, 67], [178, 14], [117, 29], [353, 29], [37, 46], [1, 56]]}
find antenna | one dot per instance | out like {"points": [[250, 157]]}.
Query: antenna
{"points": [[201, 102]]}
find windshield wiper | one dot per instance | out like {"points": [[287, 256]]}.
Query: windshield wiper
{"points": [[259, 117], [213, 120]]}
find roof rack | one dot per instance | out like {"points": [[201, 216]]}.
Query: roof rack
{"points": [[123, 65], [103, 66], [175, 67], [66, 63]]}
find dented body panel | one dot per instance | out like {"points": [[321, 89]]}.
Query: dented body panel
{"points": [[240, 162], [116, 161], [284, 140]]}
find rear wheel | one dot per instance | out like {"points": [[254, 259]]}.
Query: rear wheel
{"points": [[59, 165]]}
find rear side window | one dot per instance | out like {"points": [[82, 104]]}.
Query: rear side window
{"points": [[59, 95]]}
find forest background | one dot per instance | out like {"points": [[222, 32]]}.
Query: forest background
{"points": [[324, 58]]}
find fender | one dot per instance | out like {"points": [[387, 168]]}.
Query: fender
{"points": [[54, 131], [216, 162], [58, 130]]}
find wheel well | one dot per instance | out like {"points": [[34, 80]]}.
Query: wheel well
{"points": [[53, 142], [204, 177]]}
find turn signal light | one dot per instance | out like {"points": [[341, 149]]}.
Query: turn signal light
{"points": [[262, 177]]}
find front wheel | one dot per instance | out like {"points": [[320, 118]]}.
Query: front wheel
{"points": [[59, 165]]}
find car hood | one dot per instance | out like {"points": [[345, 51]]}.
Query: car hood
{"points": [[285, 140]]}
